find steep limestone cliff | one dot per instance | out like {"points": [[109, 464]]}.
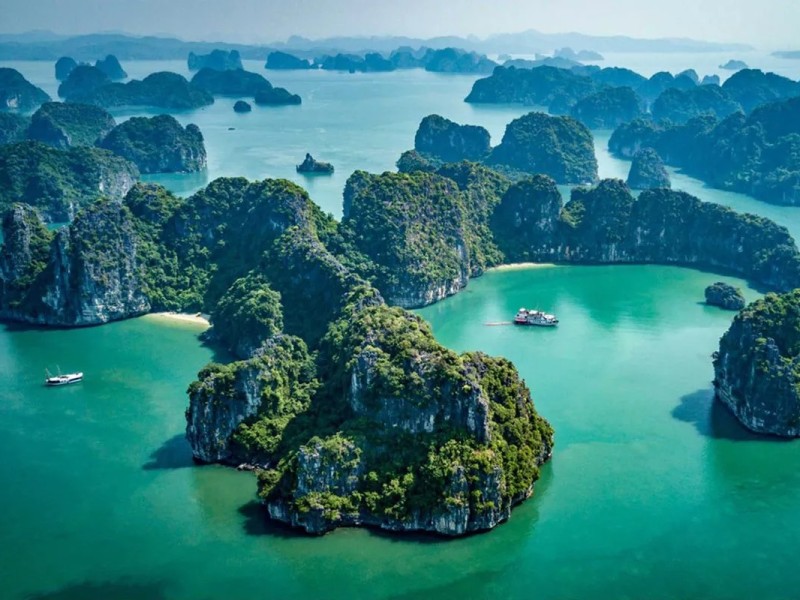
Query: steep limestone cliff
{"points": [[92, 273], [757, 368]]}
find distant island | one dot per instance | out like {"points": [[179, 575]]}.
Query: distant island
{"points": [[579, 56], [534, 143], [155, 145], [309, 165], [240, 106], [791, 54], [218, 60], [734, 65], [163, 90], [128, 47], [767, 167]]}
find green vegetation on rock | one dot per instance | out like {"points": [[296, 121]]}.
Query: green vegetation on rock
{"points": [[65, 124], [647, 171], [161, 90], [679, 106], [158, 144], [230, 82], [560, 147], [608, 108], [447, 141], [247, 314], [219, 60], [725, 296], [13, 127], [17, 93], [757, 368], [59, 182], [757, 154]]}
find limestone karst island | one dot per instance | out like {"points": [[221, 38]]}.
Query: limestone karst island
{"points": [[391, 301]]}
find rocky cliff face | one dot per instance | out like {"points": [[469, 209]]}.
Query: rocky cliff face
{"points": [[91, 275], [605, 224], [13, 128], [526, 222], [218, 403], [757, 368], [447, 141], [25, 249]]}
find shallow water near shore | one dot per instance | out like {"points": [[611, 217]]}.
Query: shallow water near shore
{"points": [[654, 491]]}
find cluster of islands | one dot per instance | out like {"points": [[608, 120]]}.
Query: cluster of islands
{"points": [[359, 416]]}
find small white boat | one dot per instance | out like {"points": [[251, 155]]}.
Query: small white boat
{"points": [[535, 317], [60, 379]]}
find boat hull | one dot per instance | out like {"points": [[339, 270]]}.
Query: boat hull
{"points": [[63, 380]]}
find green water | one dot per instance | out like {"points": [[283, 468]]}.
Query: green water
{"points": [[653, 491]]}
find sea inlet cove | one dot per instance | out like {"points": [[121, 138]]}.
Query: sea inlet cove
{"points": [[365, 300]]}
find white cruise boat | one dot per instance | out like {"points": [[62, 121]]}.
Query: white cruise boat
{"points": [[63, 379], [535, 317]]}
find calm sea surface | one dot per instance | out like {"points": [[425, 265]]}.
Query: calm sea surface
{"points": [[653, 491]]}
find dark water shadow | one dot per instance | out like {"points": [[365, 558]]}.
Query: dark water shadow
{"points": [[712, 419], [123, 589], [175, 453], [257, 522]]}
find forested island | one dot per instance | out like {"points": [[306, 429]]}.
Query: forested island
{"points": [[256, 255], [560, 147], [358, 416], [154, 144], [757, 154], [757, 367], [238, 83], [607, 97], [90, 85]]}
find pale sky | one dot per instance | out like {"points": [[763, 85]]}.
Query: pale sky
{"points": [[767, 24]]}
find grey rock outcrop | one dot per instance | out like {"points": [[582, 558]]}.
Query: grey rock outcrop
{"points": [[92, 273], [725, 296]]}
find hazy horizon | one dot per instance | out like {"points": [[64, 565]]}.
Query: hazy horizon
{"points": [[768, 24]]}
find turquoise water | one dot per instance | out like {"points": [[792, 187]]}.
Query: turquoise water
{"points": [[653, 491]]}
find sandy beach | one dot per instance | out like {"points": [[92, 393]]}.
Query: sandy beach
{"points": [[197, 318], [521, 266]]}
